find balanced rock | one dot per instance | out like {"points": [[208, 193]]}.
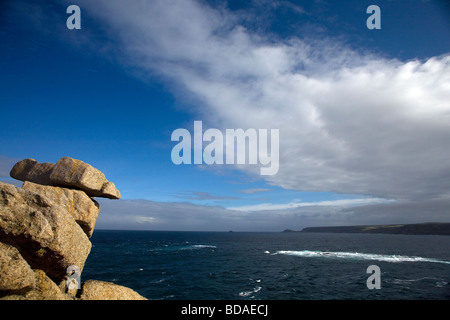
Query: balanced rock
{"points": [[67, 172], [76, 202], [31, 170], [70, 172], [45, 228], [47, 238]]}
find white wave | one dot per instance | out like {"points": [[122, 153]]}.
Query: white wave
{"points": [[158, 281], [202, 246], [198, 246], [437, 282], [410, 281], [359, 256], [183, 247], [441, 284], [249, 293]]}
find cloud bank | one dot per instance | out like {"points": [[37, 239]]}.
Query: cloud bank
{"points": [[182, 216]]}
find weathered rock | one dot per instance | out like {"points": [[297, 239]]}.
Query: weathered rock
{"points": [[75, 202], [15, 273], [44, 229], [46, 236], [67, 172], [101, 290], [44, 289], [70, 172], [109, 190], [31, 170]]}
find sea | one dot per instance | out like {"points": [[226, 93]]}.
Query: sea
{"points": [[162, 265]]}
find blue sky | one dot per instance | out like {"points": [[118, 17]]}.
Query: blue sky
{"points": [[363, 114]]}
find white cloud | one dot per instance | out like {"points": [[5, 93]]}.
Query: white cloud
{"points": [[199, 195], [179, 216], [6, 165], [253, 190], [348, 122], [293, 205]]}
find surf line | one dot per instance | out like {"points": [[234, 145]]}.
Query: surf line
{"points": [[236, 146], [359, 256]]}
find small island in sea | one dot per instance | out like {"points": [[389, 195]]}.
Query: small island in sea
{"points": [[427, 228]]}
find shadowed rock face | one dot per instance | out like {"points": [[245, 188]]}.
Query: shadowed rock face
{"points": [[31, 170], [46, 236], [15, 271], [45, 228]]}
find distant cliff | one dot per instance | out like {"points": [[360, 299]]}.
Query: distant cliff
{"points": [[429, 228]]}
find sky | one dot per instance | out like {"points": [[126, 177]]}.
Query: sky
{"points": [[363, 114]]}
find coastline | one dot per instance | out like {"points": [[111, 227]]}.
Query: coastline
{"points": [[427, 228]]}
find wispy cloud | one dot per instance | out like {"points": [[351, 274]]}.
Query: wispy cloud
{"points": [[201, 195], [349, 122], [254, 190], [6, 165], [293, 205], [150, 215]]}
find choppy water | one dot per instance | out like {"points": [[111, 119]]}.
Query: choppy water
{"points": [[275, 266]]}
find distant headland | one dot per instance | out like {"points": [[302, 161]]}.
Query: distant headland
{"points": [[427, 228]]}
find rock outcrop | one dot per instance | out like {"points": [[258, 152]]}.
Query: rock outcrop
{"points": [[83, 209], [101, 290], [67, 172], [45, 228]]}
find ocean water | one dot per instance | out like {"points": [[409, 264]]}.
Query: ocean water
{"points": [[271, 266]]}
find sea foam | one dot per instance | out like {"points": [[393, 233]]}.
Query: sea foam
{"points": [[250, 293], [359, 256], [201, 246]]}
